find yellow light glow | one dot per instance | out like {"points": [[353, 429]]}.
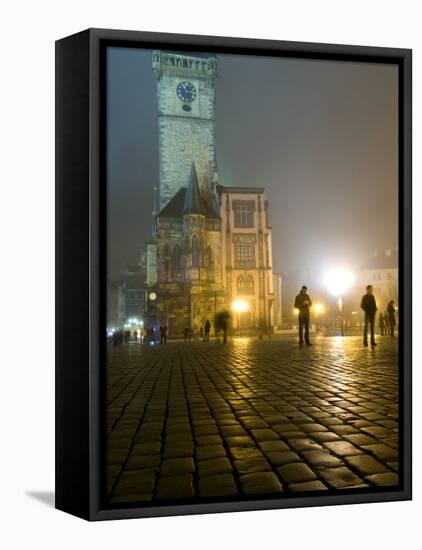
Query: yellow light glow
{"points": [[339, 281], [295, 311], [319, 308], [240, 306]]}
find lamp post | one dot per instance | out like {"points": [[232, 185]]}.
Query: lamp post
{"points": [[338, 282], [240, 306], [341, 312], [318, 309]]}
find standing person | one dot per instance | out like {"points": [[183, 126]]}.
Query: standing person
{"points": [[391, 310], [207, 328], [303, 303], [224, 324], [381, 324], [369, 306], [163, 334]]}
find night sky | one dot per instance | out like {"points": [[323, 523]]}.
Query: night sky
{"points": [[320, 136]]}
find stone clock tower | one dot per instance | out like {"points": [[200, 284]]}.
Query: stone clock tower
{"points": [[186, 113]]}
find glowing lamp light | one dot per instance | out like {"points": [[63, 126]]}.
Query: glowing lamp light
{"points": [[295, 311], [240, 306], [319, 308], [339, 281]]}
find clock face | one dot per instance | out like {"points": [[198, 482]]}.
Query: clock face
{"points": [[186, 91], [152, 296]]}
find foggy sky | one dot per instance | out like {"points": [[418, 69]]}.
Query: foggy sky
{"points": [[320, 136]]}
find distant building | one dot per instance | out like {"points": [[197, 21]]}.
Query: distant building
{"points": [[277, 312], [112, 304], [115, 304], [246, 253], [134, 290], [382, 272]]}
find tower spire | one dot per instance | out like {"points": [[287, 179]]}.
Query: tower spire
{"points": [[193, 200]]}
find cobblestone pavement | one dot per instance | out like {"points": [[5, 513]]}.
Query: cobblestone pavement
{"points": [[193, 420]]}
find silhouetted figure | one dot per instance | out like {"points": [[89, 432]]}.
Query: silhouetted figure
{"points": [[223, 324], [381, 323], [303, 303], [369, 306], [391, 310], [163, 334], [207, 328]]}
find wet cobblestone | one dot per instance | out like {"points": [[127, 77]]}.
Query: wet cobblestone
{"points": [[193, 420]]}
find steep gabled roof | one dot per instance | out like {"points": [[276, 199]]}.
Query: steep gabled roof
{"points": [[190, 201], [174, 208], [193, 200]]}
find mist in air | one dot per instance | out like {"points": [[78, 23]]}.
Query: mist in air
{"points": [[320, 136]]}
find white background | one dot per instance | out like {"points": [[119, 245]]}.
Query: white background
{"points": [[28, 32]]}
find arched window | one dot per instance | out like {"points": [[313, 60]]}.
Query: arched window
{"points": [[195, 252], [245, 285], [176, 260]]}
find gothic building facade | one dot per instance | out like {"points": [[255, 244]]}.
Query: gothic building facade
{"points": [[213, 242]]}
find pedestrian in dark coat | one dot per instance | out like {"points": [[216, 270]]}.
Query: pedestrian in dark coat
{"points": [[391, 310], [163, 334], [369, 306], [302, 304], [207, 328], [223, 324]]}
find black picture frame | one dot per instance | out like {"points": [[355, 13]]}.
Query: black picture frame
{"points": [[81, 267]]}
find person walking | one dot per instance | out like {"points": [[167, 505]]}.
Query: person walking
{"points": [[381, 324], [391, 310], [369, 306], [303, 304], [223, 324], [386, 323], [207, 328]]}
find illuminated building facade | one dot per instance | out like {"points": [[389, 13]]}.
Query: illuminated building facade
{"points": [[213, 242]]}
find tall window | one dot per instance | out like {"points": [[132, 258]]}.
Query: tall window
{"points": [[244, 213], [195, 252], [166, 260], [245, 285], [176, 260], [245, 255]]}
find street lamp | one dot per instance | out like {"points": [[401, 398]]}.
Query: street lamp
{"points": [[338, 282], [318, 309], [240, 306]]}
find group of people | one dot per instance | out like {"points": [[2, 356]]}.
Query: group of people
{"points": [[368, 304], [221, 324], [387, 320], [204, 332]]}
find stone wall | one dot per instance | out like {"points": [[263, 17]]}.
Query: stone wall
{"points": [[185, 136]]}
